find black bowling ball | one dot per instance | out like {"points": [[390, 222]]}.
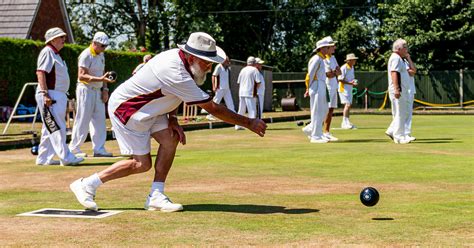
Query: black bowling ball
{"points": [[34, 150], [369, 196], [112, 75]]}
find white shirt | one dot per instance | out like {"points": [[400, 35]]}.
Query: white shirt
{"points": [[94, 63], [261, 88], [51, 63], [411, 80], [247, 78], [395, 63], [223, 76], [347, 75], [330, 64], [156, 89], [316, 72]]}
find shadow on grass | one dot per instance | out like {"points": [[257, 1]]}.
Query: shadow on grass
{"points": [[122, 209], [436, 140], [247, 209], [361, 140], [383, 218]]}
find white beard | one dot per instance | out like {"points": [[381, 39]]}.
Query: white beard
{"points": [[199, 75]]}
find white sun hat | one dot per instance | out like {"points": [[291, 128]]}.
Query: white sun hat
{"points": [[351, 56], [322, 43], [251, 60], [203, 46], [330, 40], [102, 38], [53, 33]]}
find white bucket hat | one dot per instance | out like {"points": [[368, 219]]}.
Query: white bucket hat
{"points": [[204, 47], [330, 40], [53, 33], [259, 61], [102, 38], [350, 56]]}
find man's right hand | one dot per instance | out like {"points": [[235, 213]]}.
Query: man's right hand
{"points": [[397, 94], [258, 126], [47, 100]]}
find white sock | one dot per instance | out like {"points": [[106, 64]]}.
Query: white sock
{"points": [[160, 186], [346, 120], [93, 181]]}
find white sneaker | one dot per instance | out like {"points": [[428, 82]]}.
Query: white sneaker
{"points": [[51, 162], [390, 135], [210, 118], [346, 126], [73, 162], [103, 154], [411, 138], [85, 195], [79, 153], [401, 140], [318, 140], [330, 137], [307, 131], [159, 201], [239, 128]]}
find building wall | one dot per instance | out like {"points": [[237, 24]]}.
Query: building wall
{"points": [[49, 15]]}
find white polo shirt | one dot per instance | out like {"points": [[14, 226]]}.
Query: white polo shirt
{"points": [[330, 64], [347, 75], [411, 80], [94, 63], [55, 68], [316, 71], [156, 89], [395, 63], [247, 78], [223, 76]]}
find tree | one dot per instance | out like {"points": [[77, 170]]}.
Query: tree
{"points": [[439, 33]]}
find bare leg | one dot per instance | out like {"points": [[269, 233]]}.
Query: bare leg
{"points": [[327, 122], [166, 153], [345, 113], [134, 165]]}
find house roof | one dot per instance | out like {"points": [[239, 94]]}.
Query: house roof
{"points": [[17, 18]]}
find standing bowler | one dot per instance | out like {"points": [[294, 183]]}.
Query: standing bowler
{"points": [[91, 95]]}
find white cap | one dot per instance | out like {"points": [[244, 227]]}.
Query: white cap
{"points": [[53, 33], [203, 46], [259, 61], [102, 38], [251, 60]]}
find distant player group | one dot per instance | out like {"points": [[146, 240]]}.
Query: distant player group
{"points": [[325, 79]]}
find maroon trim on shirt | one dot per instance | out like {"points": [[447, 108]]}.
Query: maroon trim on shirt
{"points": [[182, 56], [53, 48], [199, 102], [126, 109], [51, 78]]}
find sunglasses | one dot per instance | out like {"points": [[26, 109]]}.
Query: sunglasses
{"points": [[100, 45]]}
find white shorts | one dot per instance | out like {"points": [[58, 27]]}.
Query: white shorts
{"points": [[345, 98], [134, 142], [332, 98]]}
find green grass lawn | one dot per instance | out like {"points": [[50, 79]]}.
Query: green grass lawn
{"points": [[242, 190]]}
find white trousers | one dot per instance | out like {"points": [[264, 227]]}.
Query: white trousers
{"points": [[319, 110], [261, 100], [247, 104], [399, 115], [226, 94], [411, 100], [90, 113], [54, 143]]}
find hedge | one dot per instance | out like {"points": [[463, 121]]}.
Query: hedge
{"points": [[18, 66]]}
